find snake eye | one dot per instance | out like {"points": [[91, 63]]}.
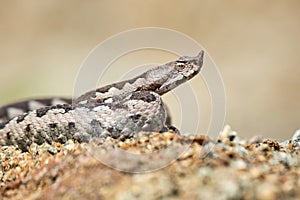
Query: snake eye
{"points": [[180, 65]]}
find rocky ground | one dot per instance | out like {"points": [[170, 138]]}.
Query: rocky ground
{"points": [[154, 166]]}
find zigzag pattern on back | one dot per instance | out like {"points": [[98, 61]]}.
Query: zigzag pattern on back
{"points": [[119, 110]]}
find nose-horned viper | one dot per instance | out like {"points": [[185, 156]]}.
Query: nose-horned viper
{"points": [[118, 110]]}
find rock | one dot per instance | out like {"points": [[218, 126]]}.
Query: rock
{"points": [[155, 166]]}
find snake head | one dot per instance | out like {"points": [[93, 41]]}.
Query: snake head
{"points": [[180, 71], [188, 67]]}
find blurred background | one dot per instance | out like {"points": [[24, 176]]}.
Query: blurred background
{"points": [[255, 45]]}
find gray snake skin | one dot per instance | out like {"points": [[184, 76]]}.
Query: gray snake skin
{"points": [[119, 110]]}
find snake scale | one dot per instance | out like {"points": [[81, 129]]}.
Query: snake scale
{"points": [[118, 110]]}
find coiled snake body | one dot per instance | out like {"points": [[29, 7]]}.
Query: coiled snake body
{"points": [[118, 110]]}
